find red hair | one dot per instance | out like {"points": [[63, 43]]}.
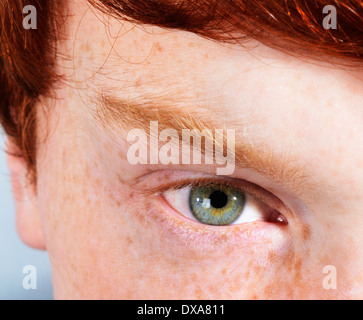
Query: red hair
{"points": [[294, 26], [27, 57]]}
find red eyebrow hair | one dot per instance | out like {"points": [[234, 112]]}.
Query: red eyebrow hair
{"points": [[293, 26], [121, 115]]}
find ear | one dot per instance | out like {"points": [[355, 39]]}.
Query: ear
{"points": [[26, 203]]}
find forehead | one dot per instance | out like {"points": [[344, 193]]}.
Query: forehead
{"points": [[137, 62], [107, 55], [102, 48]]}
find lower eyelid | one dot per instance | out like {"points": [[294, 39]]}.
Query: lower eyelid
{"points": [[203, 237], [188, 233]]}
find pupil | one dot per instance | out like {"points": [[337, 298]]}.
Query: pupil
{"points": [[218, 199]]}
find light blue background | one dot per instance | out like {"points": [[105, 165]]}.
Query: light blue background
{"points": [[14, 255]]}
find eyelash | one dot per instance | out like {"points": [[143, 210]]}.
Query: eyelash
{"points": [[274, 204]]}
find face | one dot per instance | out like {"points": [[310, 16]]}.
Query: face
{"points": [[291, 209]]}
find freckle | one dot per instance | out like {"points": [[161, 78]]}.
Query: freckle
{"points": [[271, 257], [148, 206], [298, 265], [250, 264], [268, 290], [137, 84], [224, 271], [118, 204], [206, 56], [98, 182], [167, 175], [289, 258], [131, 195], [222, 239], [129, 241], [198, 293], [306, 232], [158, 47]]}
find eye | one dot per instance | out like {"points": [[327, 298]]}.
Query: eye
{"points": [[221, 205], [216, 205]]}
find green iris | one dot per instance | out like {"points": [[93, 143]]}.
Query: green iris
{"points": [[216, 204]]}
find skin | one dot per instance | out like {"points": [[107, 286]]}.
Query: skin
{"points": [[108, 238]]}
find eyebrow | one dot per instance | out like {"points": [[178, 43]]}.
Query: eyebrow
{"points": [[123, 115]]}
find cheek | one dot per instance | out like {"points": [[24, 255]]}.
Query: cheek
{"points": [[82, 220]]}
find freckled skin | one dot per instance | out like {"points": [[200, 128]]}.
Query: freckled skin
{"points": [[107, 240]]}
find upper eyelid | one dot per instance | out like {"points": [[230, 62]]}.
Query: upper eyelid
{"points": [[254, 190]]}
